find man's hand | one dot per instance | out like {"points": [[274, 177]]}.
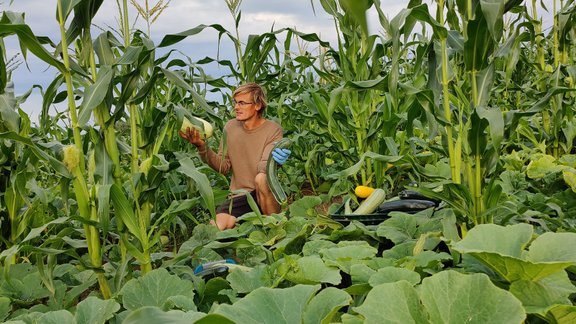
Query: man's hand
{"points": [[280, 155], [192, 135]]}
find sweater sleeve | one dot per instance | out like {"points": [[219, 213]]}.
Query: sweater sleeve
{"points": [[267, 149], [216, 161]]}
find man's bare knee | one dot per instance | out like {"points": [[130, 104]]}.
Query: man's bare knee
{"points": [[225, 221]]}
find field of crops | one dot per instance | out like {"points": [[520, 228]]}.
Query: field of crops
{"points": [[104, 209]]}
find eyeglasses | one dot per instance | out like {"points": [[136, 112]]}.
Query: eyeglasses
{"points": [[242, 103]]}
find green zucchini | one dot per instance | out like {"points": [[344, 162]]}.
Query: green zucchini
{"points": [[370, 204], [272, 175]]}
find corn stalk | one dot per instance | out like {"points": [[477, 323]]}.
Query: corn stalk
{"points": [[75, 159]]}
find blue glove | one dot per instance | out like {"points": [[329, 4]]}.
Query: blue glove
{"points": [[280, 155]]}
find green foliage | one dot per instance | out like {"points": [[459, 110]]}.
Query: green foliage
{"points": [[473, 104]]}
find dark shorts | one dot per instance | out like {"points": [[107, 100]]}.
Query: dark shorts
{"points": [[236, 206]]}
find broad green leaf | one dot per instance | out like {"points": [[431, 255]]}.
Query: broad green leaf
{"points": [[493, 11], [553, 247], [302, 206], [130, 56], [568, 159], [155, 315], [103, 50], [180, 302], [399, 228], [95, 94], [28, 41], [124, 211], [476, 136], [354, 250], [67, 7], [35, 232], [8, 115], [94, 310], [569, 177], [562, 314], [356, 9], [202, 235], [312, 270], [542, 166], [508, 241], [393, 274], [539, 296], [484, 86], [452, 297], [244, 282], [172, 39], [84, 12], [179, 81], [479, 45], [429, 259], [267, 305], [495, 120], [57, 317], [203, 184], [55, 164], [360, 273], [5, 307], [154, 289], [395, 302], [346, 254], [502, 249], [87, 279], [325, 305]]}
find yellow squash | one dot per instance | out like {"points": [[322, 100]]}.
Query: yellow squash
{"points": [[363, 191]]}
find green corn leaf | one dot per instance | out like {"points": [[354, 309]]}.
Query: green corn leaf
{"points": [[95, 94], [103, 49], [28, 41], [479, 45], [84, 12], [493, 11], [172, 39], [123, 210], [179, 81], [67, 7], [55, 164], [187, 168]]}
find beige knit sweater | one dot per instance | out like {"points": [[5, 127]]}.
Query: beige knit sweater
{"points": [[246, 153]]}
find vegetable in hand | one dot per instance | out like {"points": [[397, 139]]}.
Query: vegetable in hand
{"points": [[271, 173], [206, 130]]}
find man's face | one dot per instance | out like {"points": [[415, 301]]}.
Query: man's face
{"points": [[245, 108]]}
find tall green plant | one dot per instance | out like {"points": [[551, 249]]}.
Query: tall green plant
{"points": [[74, 159]]}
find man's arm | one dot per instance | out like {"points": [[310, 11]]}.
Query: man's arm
{"points": [[214, 160]]}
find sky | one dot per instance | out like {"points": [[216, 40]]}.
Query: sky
{"points": [[258, 16]]}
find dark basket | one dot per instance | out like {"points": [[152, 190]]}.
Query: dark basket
{"points": [[409, 206], [369, 219]]}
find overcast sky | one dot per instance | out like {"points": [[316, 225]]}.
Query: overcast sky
{"points": [[258, 16]]}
